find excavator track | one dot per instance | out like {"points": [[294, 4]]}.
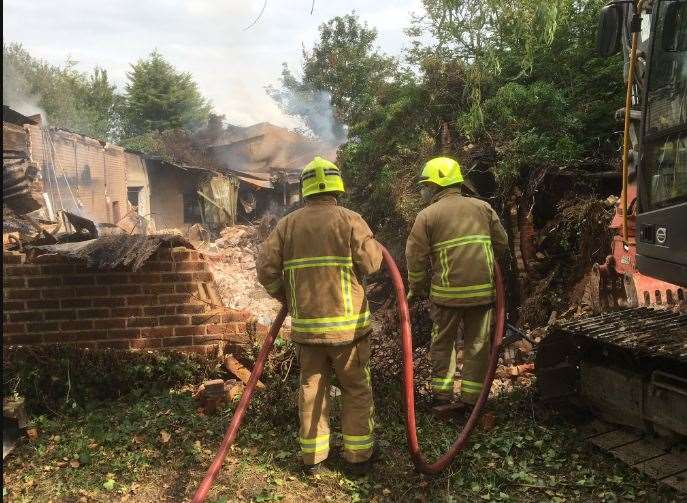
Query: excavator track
{"points": [[629, 369]]}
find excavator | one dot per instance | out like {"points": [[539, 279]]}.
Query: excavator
{"points": [[626, 363]]}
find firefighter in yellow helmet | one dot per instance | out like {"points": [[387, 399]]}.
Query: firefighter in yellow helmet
{"points": [[460, 236], [315, 260]]}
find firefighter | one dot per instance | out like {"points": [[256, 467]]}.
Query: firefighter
{"points": [[315, 260], [459, 235]]}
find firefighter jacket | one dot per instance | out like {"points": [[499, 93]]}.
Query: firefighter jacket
{"points": [[316, 258], [459, 236]]}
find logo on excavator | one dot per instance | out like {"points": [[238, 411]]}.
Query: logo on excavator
{"points": [[661, 235]]}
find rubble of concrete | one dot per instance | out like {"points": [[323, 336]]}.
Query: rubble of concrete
{"points": [[232, 263]]}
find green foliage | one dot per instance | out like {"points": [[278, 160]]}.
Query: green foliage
{"points": [[158, 97], [521, 78], [70, 99]]}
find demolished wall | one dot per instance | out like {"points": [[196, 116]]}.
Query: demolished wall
{"points": [[170, 302]]}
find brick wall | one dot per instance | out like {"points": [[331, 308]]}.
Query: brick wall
{"points": [[170, 303]]}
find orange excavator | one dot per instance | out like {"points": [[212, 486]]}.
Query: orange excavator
{"points": [[627, 363]]}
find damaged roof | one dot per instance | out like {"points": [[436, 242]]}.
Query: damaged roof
{"points": [[111, 251]]}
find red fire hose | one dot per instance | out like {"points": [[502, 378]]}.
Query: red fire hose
{"points": [[409, 394], [407, 343]]}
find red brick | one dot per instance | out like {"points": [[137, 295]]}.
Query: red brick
{"points": [[163, 254], [183, 253], [186, 287], [203, 319], [141, 300], [91, 291], [191, 309], [75, 303], [58, 269], [26, 316], [206, 339], [157, 289], [75, 335], [112, 279], [223, 328], [177, 277], [110, 323], [125, 290], [21, 270], [192, 330], [157, 331], [120, 344], [42, 304], [22, 294], [126, 312], [203, 277], [124, 333], [79, 279], [12, 258], [145, 278], [22, 339], [159, 310], [157, 267], [177, 341], [76, 325], [141, 322], [44, 281], [18, 282], [190, 266], [175, 298], [51, 326], [60, 315], [14, 305], [109, 302], [175, 320], [49, 258], [145, 343], [58, 293], [13, 328], [100, 312]]}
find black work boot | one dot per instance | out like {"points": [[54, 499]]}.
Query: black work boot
{"points": [[313, 469], [363, 468], [444, 409]]}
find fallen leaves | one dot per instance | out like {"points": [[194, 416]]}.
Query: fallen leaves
{"points": [[32, 433], [164, 436]]}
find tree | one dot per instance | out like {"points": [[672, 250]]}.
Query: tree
{"points": [[66, 97], [158, 97]]}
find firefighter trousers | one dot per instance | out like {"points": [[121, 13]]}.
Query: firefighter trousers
{"points": [[350, 363], [476, 329]]}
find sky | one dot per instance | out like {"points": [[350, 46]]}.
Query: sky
{"points": [[207, 38]]}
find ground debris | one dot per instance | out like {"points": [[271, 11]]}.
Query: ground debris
{"points": [[235, 367]]}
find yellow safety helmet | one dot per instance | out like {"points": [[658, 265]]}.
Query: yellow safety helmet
{"points": [[319, 176], [442, 171]]}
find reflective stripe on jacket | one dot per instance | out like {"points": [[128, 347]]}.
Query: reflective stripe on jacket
{"points": [[315, 258], [459, 236]]}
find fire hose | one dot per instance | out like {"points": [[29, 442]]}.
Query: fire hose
{"points": [[419, 460]]}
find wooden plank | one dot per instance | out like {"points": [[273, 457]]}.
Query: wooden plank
{"points": [[595, 427], [677, 481], [614, 439], [638, 451], [663, 466]]}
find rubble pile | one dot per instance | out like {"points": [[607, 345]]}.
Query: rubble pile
{"points": [[232, 263]]}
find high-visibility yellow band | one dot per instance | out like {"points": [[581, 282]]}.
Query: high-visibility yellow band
{"points": [[331, 320], [442, 383], [464, 240], [416, 276], [325, 261], [317, 444], [456, 289], [470, 387], [467, 295]]}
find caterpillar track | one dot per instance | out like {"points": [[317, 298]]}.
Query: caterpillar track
{"points": [[629, 368]]}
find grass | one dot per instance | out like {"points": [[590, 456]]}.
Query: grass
{"points": [[155, 446]]}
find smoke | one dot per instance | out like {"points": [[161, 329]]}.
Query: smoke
{"points": [[15, 92], [314, 110]]}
